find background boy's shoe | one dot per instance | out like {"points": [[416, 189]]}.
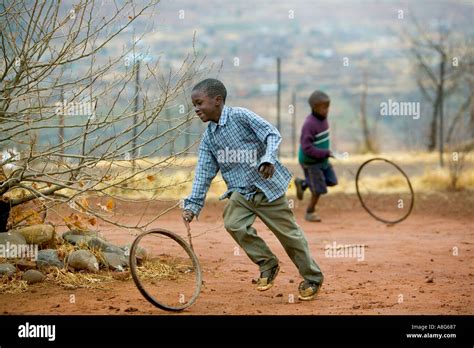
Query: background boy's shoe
{"points": [[308, 290], [312, 217], [267, 278], [299, 188]]}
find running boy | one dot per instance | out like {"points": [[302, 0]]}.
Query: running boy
{"points": [[243, 146], [314, 154]]}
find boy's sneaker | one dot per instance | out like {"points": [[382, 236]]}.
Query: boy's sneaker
{"points": [[267, 278], [299, 188], [312, 217], [308, 290]]}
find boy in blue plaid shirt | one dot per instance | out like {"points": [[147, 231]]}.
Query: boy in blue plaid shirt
{"points": [[244, 147]]}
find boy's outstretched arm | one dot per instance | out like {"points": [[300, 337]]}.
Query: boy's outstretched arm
{"points": [[206, 170]]}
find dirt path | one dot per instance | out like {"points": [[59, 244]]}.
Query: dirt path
{"points": [[407, 269]]}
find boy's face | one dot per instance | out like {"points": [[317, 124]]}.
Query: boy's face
{"points": [[207, 108], [321, 109]]}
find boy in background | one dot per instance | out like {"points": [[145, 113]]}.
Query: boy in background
{"points": [[314, 154]]}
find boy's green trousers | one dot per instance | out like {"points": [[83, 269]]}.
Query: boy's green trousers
{"points": [[239, 215]]}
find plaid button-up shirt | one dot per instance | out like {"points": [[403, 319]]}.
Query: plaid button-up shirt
{"points": [[237, 145]]}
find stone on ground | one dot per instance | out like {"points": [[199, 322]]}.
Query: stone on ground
{"points": [[7, 269], [33, 276], [48, 258], [83, 260], [37, 234]]}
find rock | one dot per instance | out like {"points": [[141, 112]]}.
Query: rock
{"points": [[115, 261], [37, 234], [104, 246], [141, 253], [48, 258], [13, 246], [77, 236], [33, 276], [131, 309], [83, 259], [12, 238], [7, 269], [115, 257]]}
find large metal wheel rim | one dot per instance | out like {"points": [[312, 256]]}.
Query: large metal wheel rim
{"points": [[412, 193], [191, 254]]}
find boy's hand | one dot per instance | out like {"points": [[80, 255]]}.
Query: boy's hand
{"points": [[188, 216], [267, 170]]}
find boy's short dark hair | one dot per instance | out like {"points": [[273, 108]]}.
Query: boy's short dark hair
{"points": [[318, 97], [212, 88]]}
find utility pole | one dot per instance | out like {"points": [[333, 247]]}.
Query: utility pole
{"points": [[170, 134], [293, 124], [135, 111], [61, 122], [441, 113], [278, 94], [187, 135]]}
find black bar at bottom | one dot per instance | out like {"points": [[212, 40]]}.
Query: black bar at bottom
{"points": [[448, 331]]}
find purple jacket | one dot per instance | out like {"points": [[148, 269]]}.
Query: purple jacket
{"points": [[313, 126]]}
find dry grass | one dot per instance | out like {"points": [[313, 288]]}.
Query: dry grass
{"points": [[416, 157], [74, 280], [149, 270], [440, 180], [14, 285], [160, 186], [429, 181], [156, 269], [64, 249], [99, 255], [164, 268], [178, 184]]}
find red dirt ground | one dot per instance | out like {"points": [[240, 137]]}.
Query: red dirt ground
{"points": [[413, 259]]}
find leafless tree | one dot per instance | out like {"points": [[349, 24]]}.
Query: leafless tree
{"points": [[439, 57], [368, 126], [368, 135], [66, 72], [458, 130]]}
